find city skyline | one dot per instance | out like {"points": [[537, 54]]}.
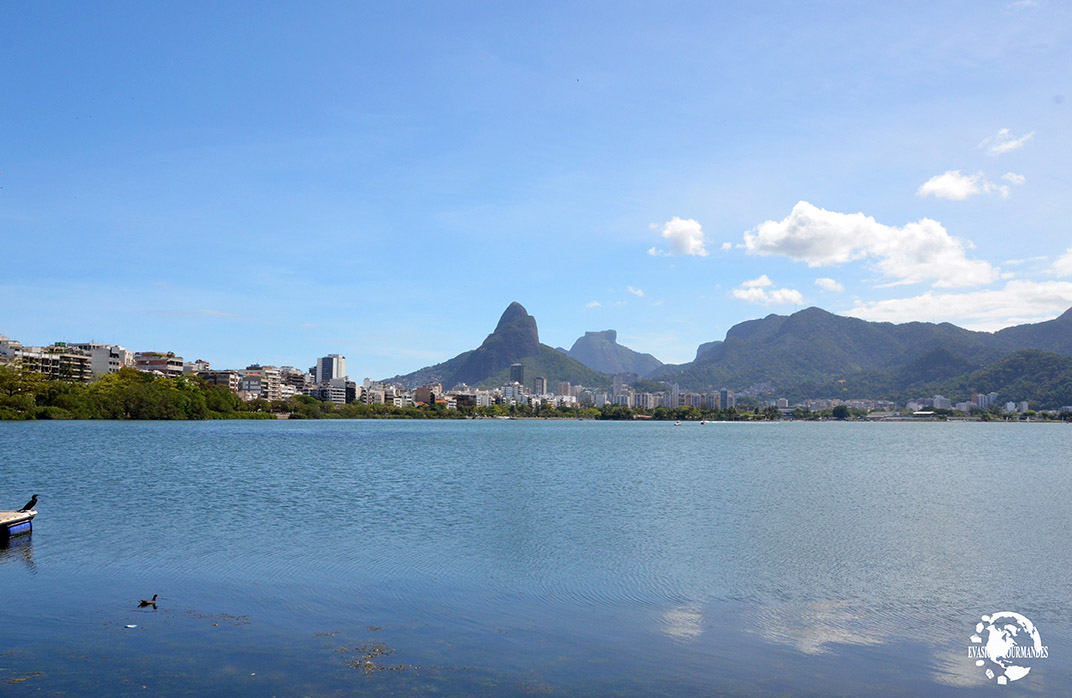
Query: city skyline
{"points": [[380, 182]]}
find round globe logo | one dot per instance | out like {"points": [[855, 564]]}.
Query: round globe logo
{"points": [[1006, 644]]}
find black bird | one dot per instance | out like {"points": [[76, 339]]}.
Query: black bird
{"points": [[30, 504], [149, 602]]}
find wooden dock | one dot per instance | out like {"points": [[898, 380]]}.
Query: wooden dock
{"points": [[13, 523]]}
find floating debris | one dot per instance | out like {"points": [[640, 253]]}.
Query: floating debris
{"points": [[25, 677], [222, 617], [536, 688], [369, 663], [131, 627]]}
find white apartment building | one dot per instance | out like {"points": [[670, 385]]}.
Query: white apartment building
{"points": [[260, 382], [106, 358]]}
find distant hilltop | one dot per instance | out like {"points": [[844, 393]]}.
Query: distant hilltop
{"points": [[816, 353], [811, 353], [600, 351], [515, 340]]}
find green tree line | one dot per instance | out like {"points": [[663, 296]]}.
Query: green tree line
{"points": [[131, 394]]}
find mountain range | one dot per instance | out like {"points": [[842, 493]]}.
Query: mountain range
{"points": [[811, 353], [814, 353]]}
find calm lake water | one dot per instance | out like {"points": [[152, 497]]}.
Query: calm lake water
{"points": [[515, 558]]}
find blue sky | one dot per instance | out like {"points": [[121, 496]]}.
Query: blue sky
{"points": [[275, 182]]}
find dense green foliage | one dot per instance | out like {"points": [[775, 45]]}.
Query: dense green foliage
{"points": [[131, 394], [128, 394]]}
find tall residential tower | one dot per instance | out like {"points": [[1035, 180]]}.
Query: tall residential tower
{"points": [[330, 366]]}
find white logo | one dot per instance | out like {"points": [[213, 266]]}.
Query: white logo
{"points": [[1009, 643]]}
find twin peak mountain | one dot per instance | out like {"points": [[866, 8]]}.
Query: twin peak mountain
{"points": [[811, 353], [593, 359]]}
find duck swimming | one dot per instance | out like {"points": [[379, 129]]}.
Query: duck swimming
{"points": [[148, 602]]}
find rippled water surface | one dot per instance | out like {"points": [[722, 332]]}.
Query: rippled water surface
{"points": [[505, 558]]}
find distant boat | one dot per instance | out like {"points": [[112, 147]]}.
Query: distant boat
{"points": [[677, 424]]}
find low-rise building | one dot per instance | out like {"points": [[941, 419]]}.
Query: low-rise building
{"points": [[226, 379], [297, 379], [195, 367], [105, 358], [166, 364], [260, 382], [56, 362], [427, 393]]}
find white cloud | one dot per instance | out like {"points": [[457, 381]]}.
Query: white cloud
{"points": [[1016, 303], [1017, 262], [828, 284], [759, 291], [952, 185], [1062, 266], [1004, 142], [686, 238], [594, 304], [956, 186], [727, 246], [917, 252], [635, 291], [1002, 189]]}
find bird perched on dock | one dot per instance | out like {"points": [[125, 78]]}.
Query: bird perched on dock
{"points": [[30, 504], [148, 602]]}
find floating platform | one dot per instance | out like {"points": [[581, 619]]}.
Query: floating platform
{"points": [[15, 523]]}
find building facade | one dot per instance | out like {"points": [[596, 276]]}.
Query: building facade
{"points": [[330, 366], [105, 358], [167, 364], [517, 373]]}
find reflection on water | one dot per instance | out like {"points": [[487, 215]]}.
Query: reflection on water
{"points": [[18, 549], [817, 626], [682, 622], [510, 557], [951, 668]]}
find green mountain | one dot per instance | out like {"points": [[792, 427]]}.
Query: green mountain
{"points": [[813, 353], [1043, 378], [1053, 335], [556, 367], [515, 340], [600, 351]]}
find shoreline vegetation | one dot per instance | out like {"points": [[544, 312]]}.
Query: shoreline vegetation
{"points": [[134, 395]]}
